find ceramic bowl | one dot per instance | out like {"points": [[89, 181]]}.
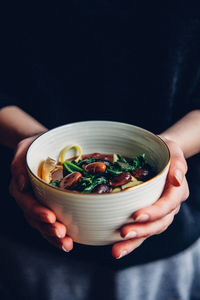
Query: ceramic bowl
{"points": [[91, 218]]}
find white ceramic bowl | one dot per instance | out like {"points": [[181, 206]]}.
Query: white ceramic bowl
{"points": [[91, 218]]}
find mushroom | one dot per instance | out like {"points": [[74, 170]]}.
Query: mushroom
{"points": [[47, 168]]}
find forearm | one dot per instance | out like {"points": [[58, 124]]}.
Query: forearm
{"points": [[186, 133], [15, 125]]}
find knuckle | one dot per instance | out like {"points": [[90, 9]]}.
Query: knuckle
{"points": [[146, 234], [166, 222], [177, 210], [20, 144], [185, 166], [13, 166], [180, 162], [186, 195], [166, 207], [162, 229]]}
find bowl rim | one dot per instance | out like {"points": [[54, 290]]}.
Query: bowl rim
{"points": [[96, 194]]}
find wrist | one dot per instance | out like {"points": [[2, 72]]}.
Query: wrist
{"points": [[16, 125], [32, 136]]}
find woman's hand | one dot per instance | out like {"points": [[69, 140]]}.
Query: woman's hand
{"points": [[155, 219], [38, 216]]}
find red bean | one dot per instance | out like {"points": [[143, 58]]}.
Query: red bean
{"points": [[120, 179], [101, 188], [57, 174], [96, 167], [70, 180], [106, 157], [140, 174]]}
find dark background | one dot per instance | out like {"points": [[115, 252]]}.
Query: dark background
{"points": [[129, 61]]}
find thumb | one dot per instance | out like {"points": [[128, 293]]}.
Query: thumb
{"points": [[18, 165], [178, 165]]}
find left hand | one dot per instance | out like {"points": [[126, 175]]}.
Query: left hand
{"points": [[156, 218]]}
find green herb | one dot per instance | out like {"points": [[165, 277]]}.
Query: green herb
{"points": [[96, 181], [66, 169], [139, 161], [55, 183], [84, 182], [86, 161], [125, 167], [71, 166], [113, 171], [121, 159]]}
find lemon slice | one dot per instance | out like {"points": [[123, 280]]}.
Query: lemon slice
{"points": [[67, 148], [47, 167]]}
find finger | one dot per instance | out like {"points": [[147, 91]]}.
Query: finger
{"points": [[31, 206], [170, 199], [56, 229], [148, 229], [178, 165], [125, 247], [66, 244]]}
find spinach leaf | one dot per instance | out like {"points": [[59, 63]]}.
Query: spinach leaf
{"points": [[84, 182], [113, 171], [121, 159], [124, 167], [96, 181], [86, 161], [55, 183], [139, 161]]}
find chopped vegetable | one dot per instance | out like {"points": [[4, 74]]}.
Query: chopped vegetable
{"points": [[55, 183], [72, 166], [96, 172], [139, 161], [96, 181]]}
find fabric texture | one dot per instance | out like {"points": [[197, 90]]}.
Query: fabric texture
{"points": [[37, 275]]}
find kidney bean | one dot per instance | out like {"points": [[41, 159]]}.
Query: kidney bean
{"points": [[70, 180], [106, 157], [141, 174], [57, 173], [96, 167], [120, 179], [101, 188], [105, 162]]}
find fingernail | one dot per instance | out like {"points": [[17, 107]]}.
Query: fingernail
{"points": [[142, 218], [21, 182], [58, 234], [49, 220], [65, 249], [178, 175], [123, 253], [130, 235]]}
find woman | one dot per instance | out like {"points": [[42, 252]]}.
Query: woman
{"points": [[115, 61]]}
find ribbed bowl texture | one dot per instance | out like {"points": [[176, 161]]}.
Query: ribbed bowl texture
{"points": [[91, 218]]}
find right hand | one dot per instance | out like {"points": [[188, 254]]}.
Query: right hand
{"points": [[38, 216]]}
